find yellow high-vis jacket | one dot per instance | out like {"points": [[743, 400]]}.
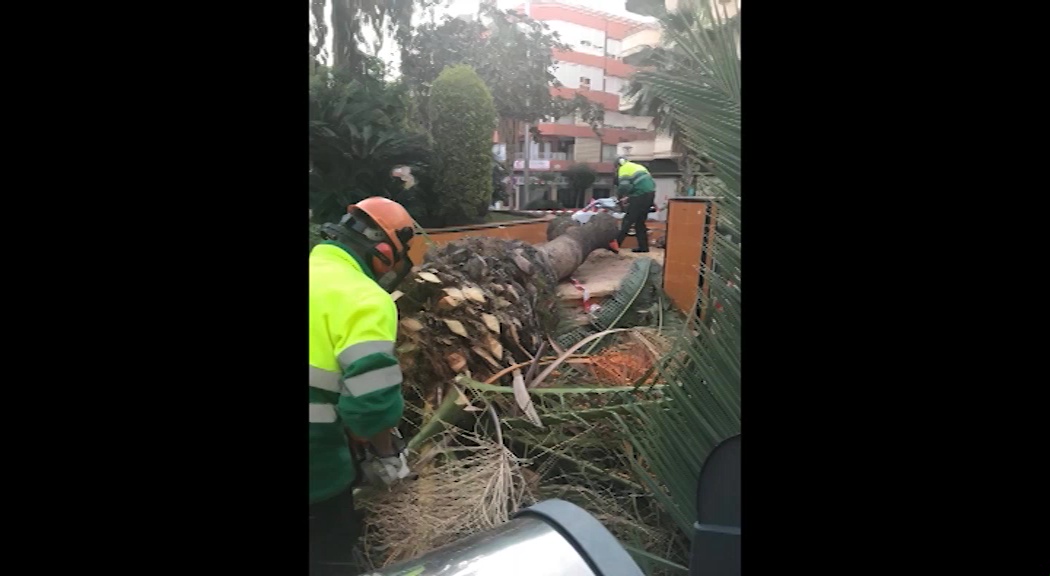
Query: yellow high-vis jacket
{"points": [[355, 380]]}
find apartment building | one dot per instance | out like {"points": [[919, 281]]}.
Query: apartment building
{"points": [[605, 41], [592, 66]]}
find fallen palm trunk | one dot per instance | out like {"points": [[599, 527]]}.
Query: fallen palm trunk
{"points": [[480, 305]]}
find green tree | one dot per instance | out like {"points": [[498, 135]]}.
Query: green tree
{"points": [[513, 55], [462, 119], [359, 132], [580, 177], [349, 19]]}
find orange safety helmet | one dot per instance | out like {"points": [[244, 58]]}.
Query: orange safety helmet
{"points": [[389, 228]]}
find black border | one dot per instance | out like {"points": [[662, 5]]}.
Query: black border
{"points": [[158, 274]]}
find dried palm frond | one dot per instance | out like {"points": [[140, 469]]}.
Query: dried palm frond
{"points": [[466, 484]]}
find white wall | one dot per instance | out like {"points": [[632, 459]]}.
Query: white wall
{"points": [[614, 85], [576, 36], [665, 188], [613, 47], [569, 75], [620, 120]]}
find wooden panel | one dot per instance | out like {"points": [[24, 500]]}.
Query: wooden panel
{"points": [[533, 232], [688, 229]]}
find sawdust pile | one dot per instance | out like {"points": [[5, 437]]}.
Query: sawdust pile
{"points": [[477, 304], [461, 489]]}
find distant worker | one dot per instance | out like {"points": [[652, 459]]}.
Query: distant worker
{"points": [[355, 380], [637, 188]]}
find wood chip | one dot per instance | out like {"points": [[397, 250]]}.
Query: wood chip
{"points": [[481, 352], [411, 324], [495, 346], [429, 277], [523, 264], [447, 303], [396, 294], [456, 327], [474, 294], [456, 361], [455, 294], [513, 293], [491, 322], [501, 303]]}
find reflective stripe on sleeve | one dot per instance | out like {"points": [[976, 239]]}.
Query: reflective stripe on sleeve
{"points": [[377, 379], [322, 414], [361, 349], [324, 379]]}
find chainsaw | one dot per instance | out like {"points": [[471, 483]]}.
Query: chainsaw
{"points": [[375, 469]]}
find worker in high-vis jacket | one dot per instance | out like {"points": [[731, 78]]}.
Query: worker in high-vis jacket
{"points": [[355, 380], [637, 189]]}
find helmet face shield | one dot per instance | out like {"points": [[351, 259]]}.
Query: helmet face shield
{"points": [[393, 278]]}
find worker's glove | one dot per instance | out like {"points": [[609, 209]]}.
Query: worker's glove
{"points": [[387, 470]]}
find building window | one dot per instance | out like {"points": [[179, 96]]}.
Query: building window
{"points": [[585, 83], [608, 152]]}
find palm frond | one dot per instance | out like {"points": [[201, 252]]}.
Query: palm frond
{"points": [[697, 85]]}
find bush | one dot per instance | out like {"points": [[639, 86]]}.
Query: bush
{"points": [[543, 204], [580, 177], [359, 132], [463, 118]]}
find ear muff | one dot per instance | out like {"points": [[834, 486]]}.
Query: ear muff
{"points": [[384, 257]]}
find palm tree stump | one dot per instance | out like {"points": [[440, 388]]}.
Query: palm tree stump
{"points": [[484, 304]]}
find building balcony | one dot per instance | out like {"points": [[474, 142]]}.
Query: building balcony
{"points": [[607, 100], [639, 40], [610, 66], [615, 26], [608, 135], [544, 156], [661, 147], [561, 165]]}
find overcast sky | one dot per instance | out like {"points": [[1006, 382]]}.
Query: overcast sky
{"points": [[389, 52]]}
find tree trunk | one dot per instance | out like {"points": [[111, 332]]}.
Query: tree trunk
{"points": [[572, 246], [482, 304], [508, 134]]}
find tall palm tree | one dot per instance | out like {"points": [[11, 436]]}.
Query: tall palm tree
{"points": [[349, 19]]}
